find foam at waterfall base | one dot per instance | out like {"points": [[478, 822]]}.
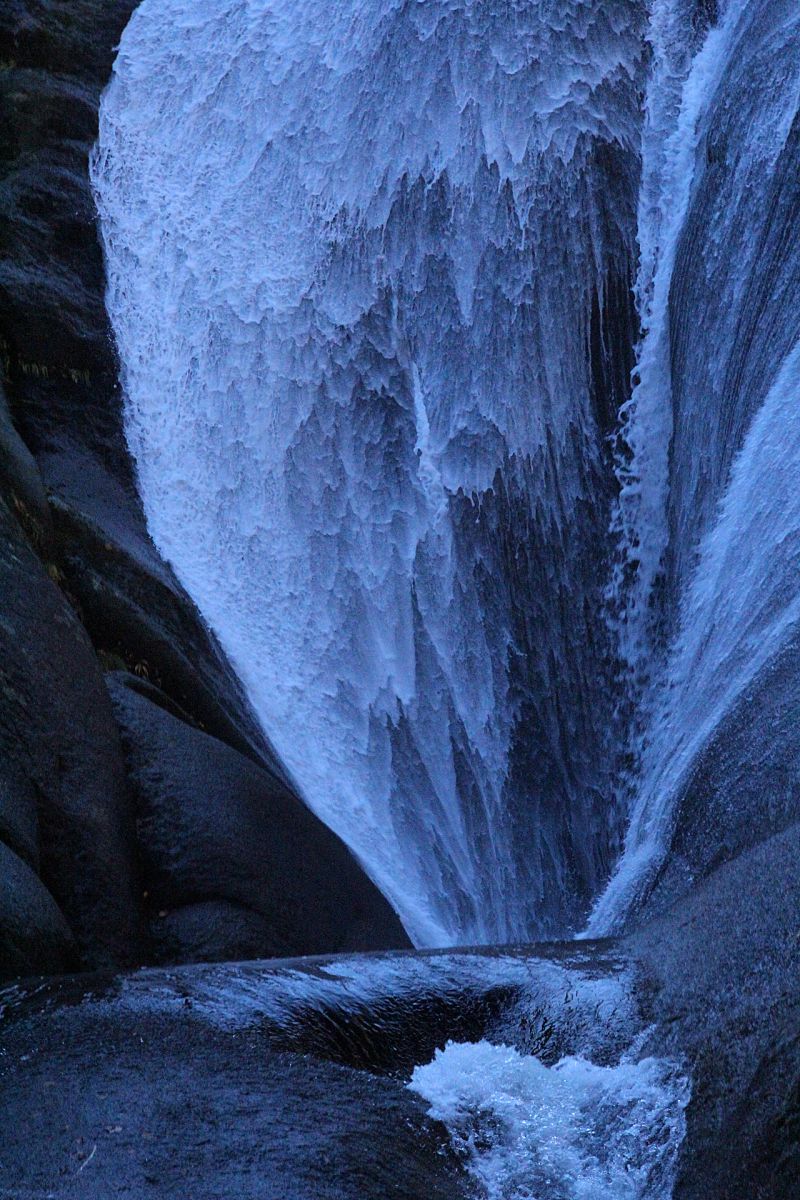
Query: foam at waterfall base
{"points": [[573, 1131]]}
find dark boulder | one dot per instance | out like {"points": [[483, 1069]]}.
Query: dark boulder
{"points": [[268, 1081], [166, 1106], [34, 937], [233, 863], [211, 931], [65, 806], [723, 964]]}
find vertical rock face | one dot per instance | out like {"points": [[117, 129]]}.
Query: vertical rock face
{"points": [[58, 351], [64, 804], [65, 810], [81, 586]]}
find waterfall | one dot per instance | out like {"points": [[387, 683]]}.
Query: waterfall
{"points": [[461, 357], [678, 90], [716, 406], [369, 270], [460, 353]]}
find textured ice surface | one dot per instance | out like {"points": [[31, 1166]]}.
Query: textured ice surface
{"points": [[367, 263], [572, 1131]]}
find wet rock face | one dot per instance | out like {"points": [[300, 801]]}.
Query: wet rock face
{"points": [[64, 807], [176, 1106], [54, 61], [231, 860], [724, 962], [743, 789], [82, 589]]}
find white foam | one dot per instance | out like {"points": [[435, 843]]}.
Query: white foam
{"points": [[573, 1131]]}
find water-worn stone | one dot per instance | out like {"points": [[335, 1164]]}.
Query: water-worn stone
{"points": [[169, 1107], [34, 937], [232, 861], [65, 805], [723, 964]]}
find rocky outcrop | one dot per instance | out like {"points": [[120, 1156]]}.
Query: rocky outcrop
{"points": [[230, 862], [57, 349], [722, 967], [64, 802], [712, 985], [159, 1102], [83, 591]]}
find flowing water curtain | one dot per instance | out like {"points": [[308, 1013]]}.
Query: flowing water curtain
{"points": [[683, 74], [369, 273], [725, 333]]}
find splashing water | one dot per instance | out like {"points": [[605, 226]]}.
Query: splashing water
{"points": [[573, 1131]]}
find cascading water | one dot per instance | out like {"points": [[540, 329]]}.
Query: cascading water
{"points": [[369, 271], [715, 408], [676, 92], [572, 1131]]}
